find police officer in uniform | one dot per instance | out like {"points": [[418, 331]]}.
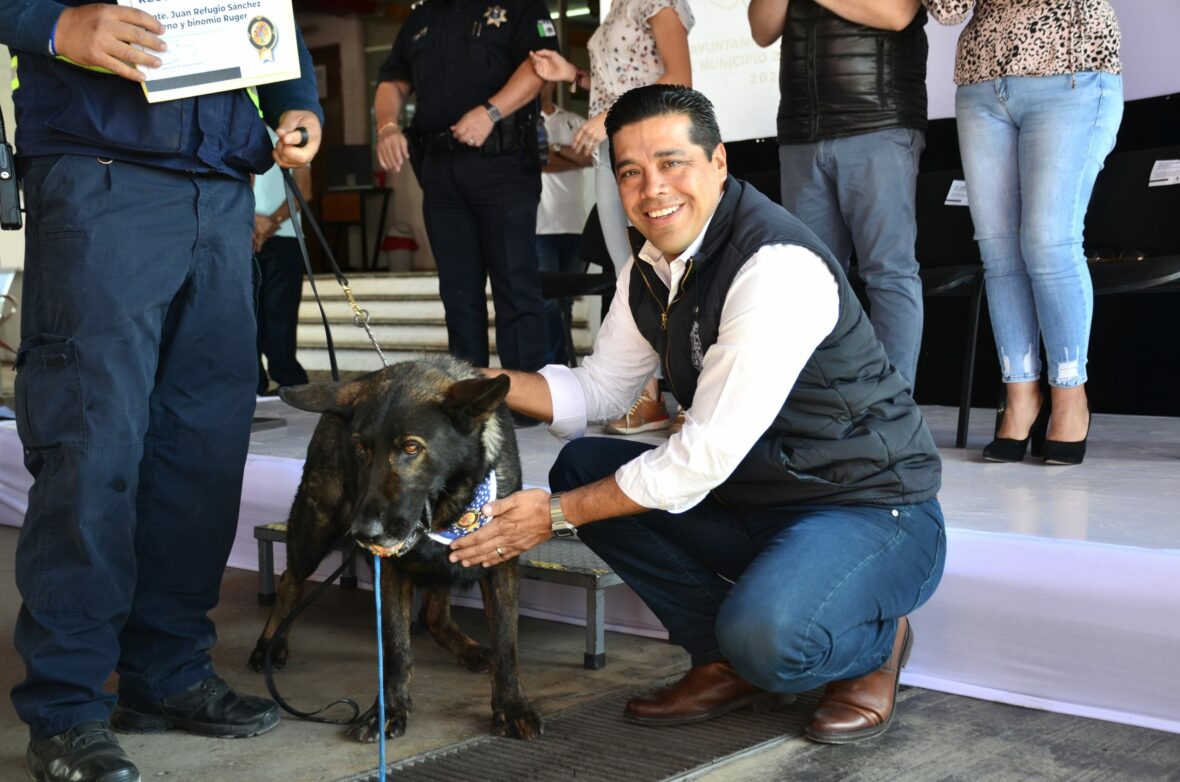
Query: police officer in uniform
{"points": [[136, 378], [473, 146]]}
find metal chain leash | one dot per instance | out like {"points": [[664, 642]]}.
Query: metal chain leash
{"points": [[360, 318]]}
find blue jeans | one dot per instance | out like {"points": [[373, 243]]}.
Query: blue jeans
{"points": [[611, 215], [1032, 147], [858, 192], [793, 597], [557, 253], [135, 391]]}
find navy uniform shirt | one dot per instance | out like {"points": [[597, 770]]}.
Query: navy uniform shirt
{"points": [[65, 109], [458, 53]]}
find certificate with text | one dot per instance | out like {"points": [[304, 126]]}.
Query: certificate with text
{"points": [[218, 46]]}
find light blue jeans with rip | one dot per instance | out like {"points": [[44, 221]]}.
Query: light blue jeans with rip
{"points": [[1032, 147]]}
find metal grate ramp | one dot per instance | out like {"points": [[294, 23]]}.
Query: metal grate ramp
{"points": [[593, 743]]}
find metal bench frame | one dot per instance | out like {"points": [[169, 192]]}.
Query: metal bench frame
{"points": [[567, 562]]}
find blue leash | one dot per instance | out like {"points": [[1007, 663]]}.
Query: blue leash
{"points": [[380, 672]]}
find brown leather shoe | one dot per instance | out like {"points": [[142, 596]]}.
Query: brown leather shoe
{"points": [[858, 709], [705, 692]]}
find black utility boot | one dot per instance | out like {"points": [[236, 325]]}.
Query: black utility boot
{"points": [[210, 708], [87, 752]]}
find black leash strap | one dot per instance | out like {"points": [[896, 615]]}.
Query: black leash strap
{"points": [[295, 195], [281, 632], [360, 317]]}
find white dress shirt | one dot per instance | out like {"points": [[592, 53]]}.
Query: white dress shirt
{"points": [[783, 302]]}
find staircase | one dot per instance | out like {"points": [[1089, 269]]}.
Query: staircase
{"points": [[405, 315]]}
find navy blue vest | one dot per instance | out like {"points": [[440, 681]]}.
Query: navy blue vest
{"points": [[849, 432]]}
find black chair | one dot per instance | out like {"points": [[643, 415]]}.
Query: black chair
{"points": [[768, 182], [560, 285], [1133, 228], [950, 266]]}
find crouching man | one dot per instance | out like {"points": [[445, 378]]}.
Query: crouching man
{"points": [[783, 535]]}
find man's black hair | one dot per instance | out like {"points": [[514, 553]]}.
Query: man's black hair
{"points": [[658, 99]]}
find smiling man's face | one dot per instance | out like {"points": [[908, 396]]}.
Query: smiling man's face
{"points": [[668, 185]]}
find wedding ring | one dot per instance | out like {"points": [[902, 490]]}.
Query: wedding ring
{"points": [[471, 141], [499, 552]]}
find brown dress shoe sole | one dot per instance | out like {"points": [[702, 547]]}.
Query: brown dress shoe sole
{"points": [[760, 702]]}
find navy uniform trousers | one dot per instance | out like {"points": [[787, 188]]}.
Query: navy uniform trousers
{"points": [[280, 289], [135, 391], [481, 218]]}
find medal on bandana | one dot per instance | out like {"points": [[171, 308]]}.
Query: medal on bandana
{"points": [[495, 16], [263, 37], [472, 517]]}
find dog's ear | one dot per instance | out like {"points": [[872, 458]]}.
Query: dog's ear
{"points": [[471, 402], [318, 398]]}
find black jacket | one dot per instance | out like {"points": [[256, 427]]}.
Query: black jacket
{"points": [[837, 78], [849, 432]]}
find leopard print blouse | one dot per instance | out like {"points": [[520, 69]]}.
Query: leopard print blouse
{"points": [[1031, 37]]}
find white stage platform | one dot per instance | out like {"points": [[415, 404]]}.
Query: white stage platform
{"points": [[1062, 584]]}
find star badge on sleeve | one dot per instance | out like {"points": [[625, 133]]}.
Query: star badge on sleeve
{"points": [[495, 16]]}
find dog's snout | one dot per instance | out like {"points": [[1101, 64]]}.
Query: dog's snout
{"points": [[368, 528]]}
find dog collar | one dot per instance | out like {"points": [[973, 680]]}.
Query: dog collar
{"points": [[472, 517]]}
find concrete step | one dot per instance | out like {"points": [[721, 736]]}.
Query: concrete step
{"points": [[405, 315], [391, 310], [384, 283], [412, 334], [364, 359]]}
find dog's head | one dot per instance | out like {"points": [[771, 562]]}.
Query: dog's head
{"points": [[414, 437]]}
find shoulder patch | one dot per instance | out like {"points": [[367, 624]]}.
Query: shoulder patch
{"points": [[545, 28]]}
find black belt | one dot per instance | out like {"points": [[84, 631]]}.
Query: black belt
{"points": [[440, 141], [502, 139]]}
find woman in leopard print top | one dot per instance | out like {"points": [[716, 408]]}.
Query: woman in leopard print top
{"points": [[1031, 39], [1038, 107]]}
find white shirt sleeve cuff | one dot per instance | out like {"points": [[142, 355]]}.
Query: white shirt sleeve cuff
{"points": [[568, 400]]}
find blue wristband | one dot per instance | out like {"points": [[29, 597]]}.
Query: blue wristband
{"points": [[52, 35]]}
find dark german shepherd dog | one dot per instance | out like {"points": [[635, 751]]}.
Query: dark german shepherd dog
{"points": [[396, 454]]}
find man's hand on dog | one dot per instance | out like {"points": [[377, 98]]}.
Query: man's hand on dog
{"points": [[521, 522]]}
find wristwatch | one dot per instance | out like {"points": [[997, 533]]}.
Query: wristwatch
{"points": [[492, 111], [557, 521]]}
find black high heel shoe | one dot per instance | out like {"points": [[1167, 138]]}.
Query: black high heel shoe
{"points": [[1062, 452], [1006, 449]]}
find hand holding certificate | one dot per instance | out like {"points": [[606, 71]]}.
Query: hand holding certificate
{"points": [[110, 37], [219, 45]]}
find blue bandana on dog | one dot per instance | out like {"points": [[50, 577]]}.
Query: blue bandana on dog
{"points": [[471, 518]]}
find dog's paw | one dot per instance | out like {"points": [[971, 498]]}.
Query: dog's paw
{"points": [[278, 656], [517, 721], [477, 659], [365, 727]]}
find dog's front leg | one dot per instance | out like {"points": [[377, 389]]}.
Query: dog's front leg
{"points": [[512, 714], [397, 593]]}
